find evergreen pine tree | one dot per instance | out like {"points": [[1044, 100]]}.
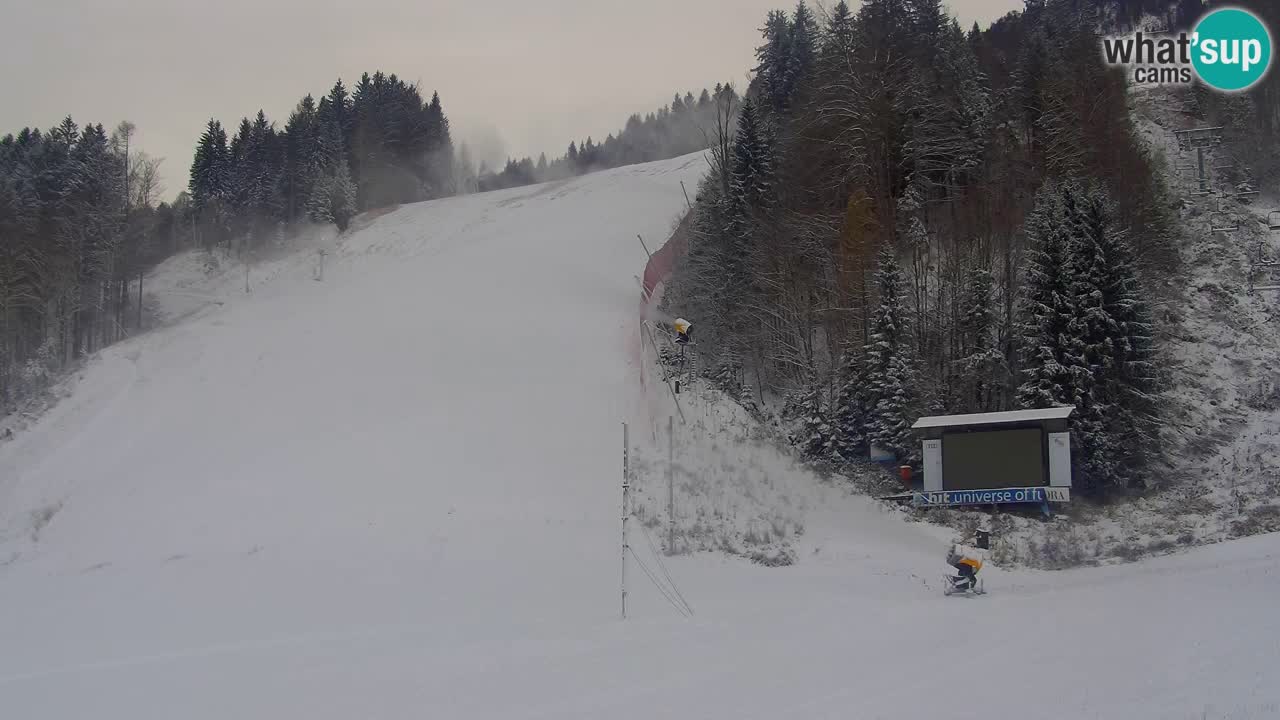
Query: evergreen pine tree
{"points": [[342, 194], [241, 174], [209, 169], [849, 417], [890, 373], [299, 147], [1116, 333], [439, 144], [1062, 328], [981, 367], [265, 166], [340, 106], [1053, 356], [838, 37], [750, 182], [815, 435], [67, 133], [333, 194], [773, 72], [210, 177], [803, 49], [752, 163], [319, 207], [1088, 223]]}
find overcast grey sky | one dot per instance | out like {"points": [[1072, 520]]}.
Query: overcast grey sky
{"points": [[529, 75]]}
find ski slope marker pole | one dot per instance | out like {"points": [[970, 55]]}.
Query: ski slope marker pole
{"points": [[671, 485], [666, 382], [626, 497]]}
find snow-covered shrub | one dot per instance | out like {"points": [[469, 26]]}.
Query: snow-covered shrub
{"points": [[39, 371], [780, 556], [1261, 519], [1061, 547]]}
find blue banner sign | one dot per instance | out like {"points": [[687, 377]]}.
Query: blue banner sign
{"points": [[999, 496]]}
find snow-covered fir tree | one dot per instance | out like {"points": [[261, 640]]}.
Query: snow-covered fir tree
{"points": [[1054, 367], [814, 434], [333, 193], [803, 49], [849, 415], [915, 238], [1118, 345], [1086, 333], [298, 175], [981, 368], [1088, 223], [210, 168], [774, 56], [751, 167], [891, 375], [837, 39]]}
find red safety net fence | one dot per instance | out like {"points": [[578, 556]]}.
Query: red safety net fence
{"points": [[656, 272], [663, 262]]}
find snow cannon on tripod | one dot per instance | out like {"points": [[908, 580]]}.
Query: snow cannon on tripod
{"points": [[683, 328]]}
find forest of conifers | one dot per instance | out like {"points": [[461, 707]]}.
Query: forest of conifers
{"points": [[909, 218]]}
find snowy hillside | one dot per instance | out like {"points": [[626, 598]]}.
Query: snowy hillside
{"points": [[395, 493]]}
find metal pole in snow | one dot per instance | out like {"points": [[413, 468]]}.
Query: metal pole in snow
{"points": [[646, 247], [674, 397], [626, 507], [686, 195], [671, 485]]}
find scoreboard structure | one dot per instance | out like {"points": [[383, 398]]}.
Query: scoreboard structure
{"points": [[1022, 456]]}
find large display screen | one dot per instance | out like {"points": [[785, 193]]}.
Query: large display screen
{"points": [[993, 459]]}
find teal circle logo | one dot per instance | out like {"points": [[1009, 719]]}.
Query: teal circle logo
{"points": [[1231, 49]]}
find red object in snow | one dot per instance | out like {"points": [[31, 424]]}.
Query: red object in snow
{"points": [[662, 263]]}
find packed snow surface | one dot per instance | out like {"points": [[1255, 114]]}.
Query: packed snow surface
{"points": [[395, 493]]}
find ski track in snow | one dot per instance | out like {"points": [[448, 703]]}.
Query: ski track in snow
{"points": [[395, 494]]}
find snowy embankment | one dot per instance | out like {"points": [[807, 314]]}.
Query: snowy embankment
{"points": [[395, 493], [1227, 431]]}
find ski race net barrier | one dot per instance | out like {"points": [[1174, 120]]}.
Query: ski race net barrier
{"points": [[656, 271], [661, 264]]}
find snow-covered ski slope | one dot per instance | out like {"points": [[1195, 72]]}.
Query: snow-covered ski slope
{"points": [[395, 494]]}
